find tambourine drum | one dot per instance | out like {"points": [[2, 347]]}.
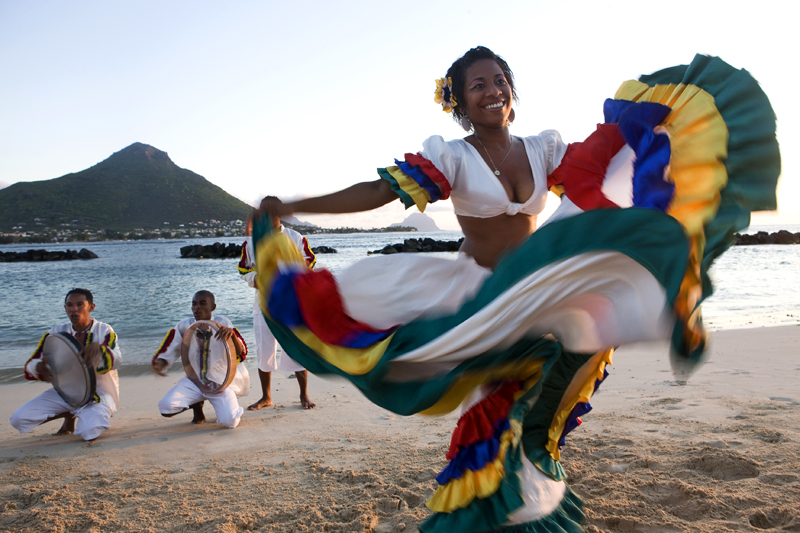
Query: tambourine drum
{"points": [[209, 362], [72, 378]]}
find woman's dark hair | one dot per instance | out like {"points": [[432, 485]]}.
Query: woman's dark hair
{"points": [[458, 75], [86, 292]]}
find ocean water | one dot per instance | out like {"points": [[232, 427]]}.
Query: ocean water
{"points": [[144, 288]]}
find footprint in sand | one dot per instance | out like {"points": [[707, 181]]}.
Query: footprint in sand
{"points": [[772, 518], [770, 437], [790, 401], [390, 505], [724, 465], [779, 479], [666, 401], [671, 493]]}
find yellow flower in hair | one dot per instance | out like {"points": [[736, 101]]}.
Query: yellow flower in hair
{"points": [[444, 94]]}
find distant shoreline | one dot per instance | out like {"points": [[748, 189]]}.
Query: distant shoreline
{"points": [[7, 239]]}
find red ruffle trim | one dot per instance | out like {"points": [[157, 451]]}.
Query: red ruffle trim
{"points": [[432, 172], [583, 168], [323, 311], [479, 422]]}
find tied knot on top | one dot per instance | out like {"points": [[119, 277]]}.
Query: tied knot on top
{"points": [[513, 209]]}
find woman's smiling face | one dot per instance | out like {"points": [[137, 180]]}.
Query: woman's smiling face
{"points": [[487, 93]]}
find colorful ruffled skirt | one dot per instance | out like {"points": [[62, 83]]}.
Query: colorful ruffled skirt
{"points": [[648, 201]]}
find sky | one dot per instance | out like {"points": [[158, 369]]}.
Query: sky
{"points": [[303, 98]]}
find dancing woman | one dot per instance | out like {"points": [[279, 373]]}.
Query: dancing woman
{"points": [[518, 330]]}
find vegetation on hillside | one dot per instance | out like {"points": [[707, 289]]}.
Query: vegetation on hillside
{"points": [[137, 187]]}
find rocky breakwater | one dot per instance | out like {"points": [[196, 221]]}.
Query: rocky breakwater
{"points": [[230, 251], [762, 237], [420, 245], [324, 250], [44, 255], [212, 251]]}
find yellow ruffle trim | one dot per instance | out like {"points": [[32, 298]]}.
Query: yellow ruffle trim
{"points": [[420, 196], [354, 361], [699, 144], [276, 250], [273, 251], [530, 371], [459, 493], [580, 389], [690, 293]]}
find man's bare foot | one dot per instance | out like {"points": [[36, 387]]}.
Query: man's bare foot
{"points": [[68, 427], [260, 404], [199, 417], [306, 402]]}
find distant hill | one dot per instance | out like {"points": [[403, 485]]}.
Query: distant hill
{"points": [[294, 221], [421, 221], [137, 187]]}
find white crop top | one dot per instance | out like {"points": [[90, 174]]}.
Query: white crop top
{"points": [[476, 190]]}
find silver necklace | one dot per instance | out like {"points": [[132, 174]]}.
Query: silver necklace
{"points": [[496, 167]]}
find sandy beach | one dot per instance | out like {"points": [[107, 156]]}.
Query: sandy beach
{"points": [[719, 453]]}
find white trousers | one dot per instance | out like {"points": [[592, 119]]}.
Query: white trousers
{"points": [[93, 418], [186, 393], [267, 348]]}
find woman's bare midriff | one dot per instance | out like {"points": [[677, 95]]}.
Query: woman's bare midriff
{"points": [[487, 239]]}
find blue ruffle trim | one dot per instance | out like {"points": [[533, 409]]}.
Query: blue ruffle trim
{"points": [[475, 456]]}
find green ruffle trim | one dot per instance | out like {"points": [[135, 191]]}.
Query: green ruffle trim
{"points": [[535, 410], [537, 418], [753, 163], [404, 196], [568, 517]]}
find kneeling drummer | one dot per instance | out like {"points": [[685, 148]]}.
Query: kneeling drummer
{"points": [[185, 394], [100, 351]]}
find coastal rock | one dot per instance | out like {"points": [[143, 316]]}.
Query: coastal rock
{"points": [[762, 237], [324, 250], [45, 255], [211, 251], [420, 245]]}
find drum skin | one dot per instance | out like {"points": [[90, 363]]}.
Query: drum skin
{"points": [[74, 381], [208, 362]]}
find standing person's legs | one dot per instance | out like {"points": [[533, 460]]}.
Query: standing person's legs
{"points": [[266, 347], [47, 406], [182, 396], [290, 365]]}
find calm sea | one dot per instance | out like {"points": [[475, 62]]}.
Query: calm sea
{"points": [[143, 288]]}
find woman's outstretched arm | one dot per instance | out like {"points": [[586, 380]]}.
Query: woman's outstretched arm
{"points": [[363, 196]]}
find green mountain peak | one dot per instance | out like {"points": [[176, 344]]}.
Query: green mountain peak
{"points": [[136, 187]]}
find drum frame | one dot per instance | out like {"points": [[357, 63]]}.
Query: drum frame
{"points": [[187, 366], [89, 372]]}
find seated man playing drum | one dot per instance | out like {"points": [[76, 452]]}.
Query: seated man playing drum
{"points": [[186, 393], [101, 355]]}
